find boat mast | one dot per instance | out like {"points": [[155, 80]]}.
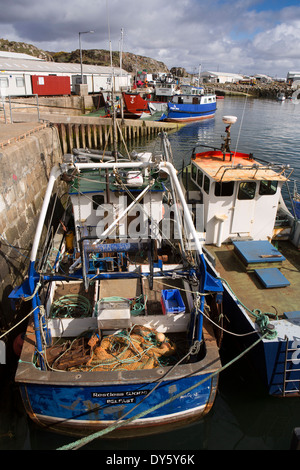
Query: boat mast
{"points": [[115, 150], [114, 122]]}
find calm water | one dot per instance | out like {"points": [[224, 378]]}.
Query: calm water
{"points": [[243, 417]]}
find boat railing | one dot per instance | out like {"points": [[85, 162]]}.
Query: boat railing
{"points": [[293, 197]]}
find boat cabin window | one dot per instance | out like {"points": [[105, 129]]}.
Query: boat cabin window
{"points": [[206, 184], [247, 190], [199, 178], [194, 172], [268, 188], [98, 199], [195, 100], [224, 189]]}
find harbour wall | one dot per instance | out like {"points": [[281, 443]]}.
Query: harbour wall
{"points": [[25, 169], [95, 132], [260, 90]]}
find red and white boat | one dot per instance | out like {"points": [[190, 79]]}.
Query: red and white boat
{"points": [[135, 106]]}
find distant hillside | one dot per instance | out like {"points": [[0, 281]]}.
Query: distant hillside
{"points": [[130, 62], [24, 48]]}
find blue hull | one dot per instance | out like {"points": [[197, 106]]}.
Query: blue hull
{"points": [[269, 356], [79, 404], [297, 208], [81, 410], [190, 112]]}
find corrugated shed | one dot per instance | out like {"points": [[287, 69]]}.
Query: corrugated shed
{"points": [[40, 66]]}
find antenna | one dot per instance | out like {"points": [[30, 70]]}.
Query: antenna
{"points": [[115, 151], [229, 120]]}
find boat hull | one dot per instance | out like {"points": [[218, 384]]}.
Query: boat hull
{"points": [[81, 403], [79, 411], [268, 358], [190, 113]]}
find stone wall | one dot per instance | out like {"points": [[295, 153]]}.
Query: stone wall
{"points": [[25, 169], [260, 90], [73, 105]]}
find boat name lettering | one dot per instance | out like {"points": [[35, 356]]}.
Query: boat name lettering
{"points": [[131, 393]]}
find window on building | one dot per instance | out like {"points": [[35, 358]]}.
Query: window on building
{"points": [[224, 189], [268, 188], [20, 81], [3, 82], [247, 190]]}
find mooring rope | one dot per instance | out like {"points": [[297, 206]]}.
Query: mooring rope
{"points": [[82, 442], [262, 319]]}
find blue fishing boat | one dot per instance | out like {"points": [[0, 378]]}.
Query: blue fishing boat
{"points": [[191, 104], [119, 339], [252, 241]]}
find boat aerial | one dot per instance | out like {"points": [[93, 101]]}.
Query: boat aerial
{"points": [[252, 239], [120, 333], [192, 104]]}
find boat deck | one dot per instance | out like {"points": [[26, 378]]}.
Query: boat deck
{"points": [[250, 290]]}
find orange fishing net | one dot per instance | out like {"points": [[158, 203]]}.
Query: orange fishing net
{"points": [[139, 348]]}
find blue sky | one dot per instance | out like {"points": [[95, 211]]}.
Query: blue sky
{"points": [[246, 36], [274, 5]]}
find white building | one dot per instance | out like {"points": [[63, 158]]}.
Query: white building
{"points": [[263, 78], [292, 77], [220, 77], [16, 71]]}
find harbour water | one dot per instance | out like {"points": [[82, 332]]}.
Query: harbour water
{"points": [[243, 417]]}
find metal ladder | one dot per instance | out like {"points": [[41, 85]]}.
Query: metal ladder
{"points": [[288, 370]]}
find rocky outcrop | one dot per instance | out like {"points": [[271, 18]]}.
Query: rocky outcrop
{"points": [[24, 48], [130, 62]]}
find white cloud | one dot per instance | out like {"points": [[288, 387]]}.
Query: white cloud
{"points": [[230, 36]]}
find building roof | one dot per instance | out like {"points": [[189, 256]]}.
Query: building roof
{"points": [[222, 74], [9, 64], [17, 55]]}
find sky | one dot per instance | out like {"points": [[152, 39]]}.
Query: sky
{"points": [[239, 36]]}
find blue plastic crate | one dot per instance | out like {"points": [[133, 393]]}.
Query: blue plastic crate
{"points": [[171, 301]]}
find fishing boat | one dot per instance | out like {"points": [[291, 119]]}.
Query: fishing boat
{"points": [[281, 97], [252, 239], [192, 104], [164, 91], [135, 106], [120, 338]]}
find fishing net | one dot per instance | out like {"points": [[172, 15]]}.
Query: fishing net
{"points": [[139, 348]]}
